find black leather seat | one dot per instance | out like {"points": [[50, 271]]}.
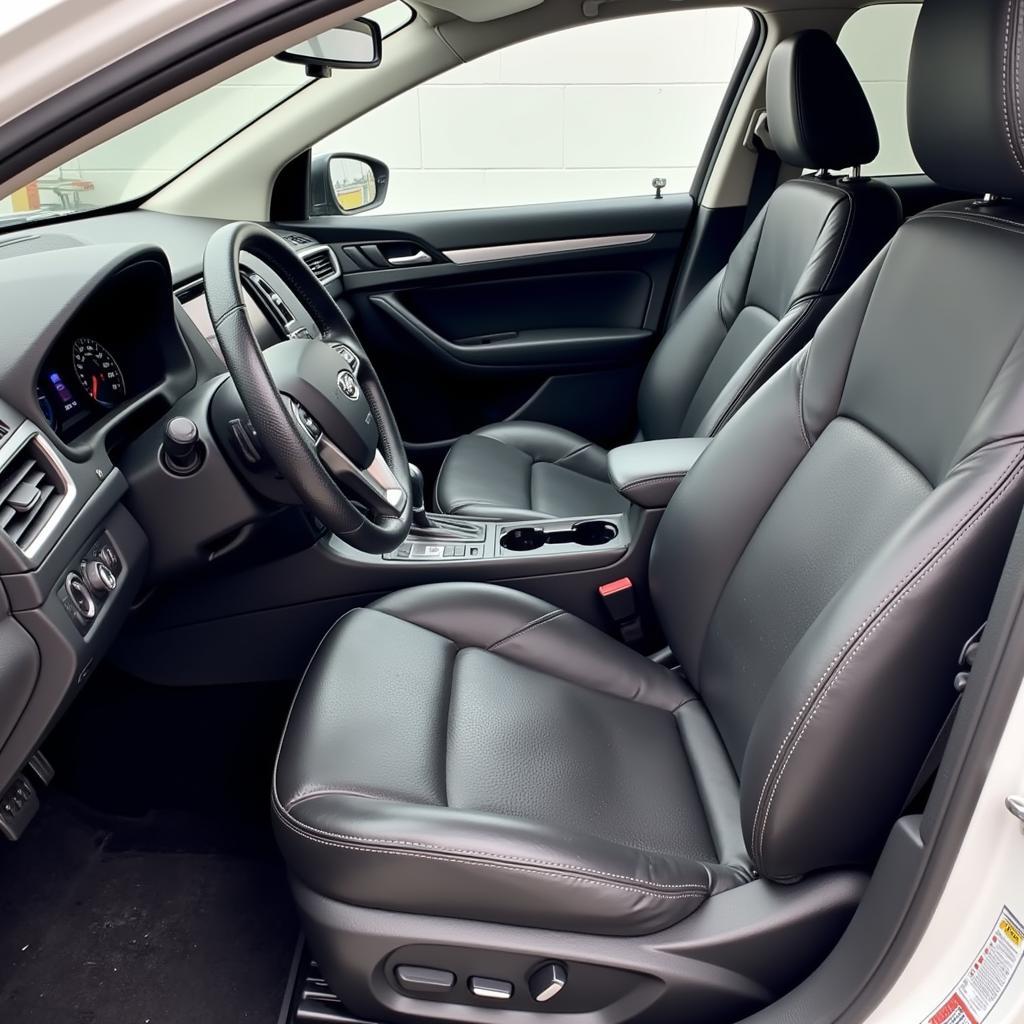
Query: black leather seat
{"points": [[475, 781], [809, 243]]}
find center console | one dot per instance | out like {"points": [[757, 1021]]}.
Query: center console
{"points": [[544, 538]]}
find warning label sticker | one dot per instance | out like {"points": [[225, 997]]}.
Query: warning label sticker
{"points": [[981, 987]]}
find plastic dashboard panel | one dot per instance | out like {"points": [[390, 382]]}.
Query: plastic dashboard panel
{"points": [[44, 293]]}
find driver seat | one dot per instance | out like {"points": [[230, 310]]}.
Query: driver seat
{"points": [[491, 809]]}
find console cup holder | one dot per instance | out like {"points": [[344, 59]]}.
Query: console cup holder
{"points": [[592, 533]]}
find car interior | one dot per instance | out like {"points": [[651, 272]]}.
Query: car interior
{"points": [[494, 613]]}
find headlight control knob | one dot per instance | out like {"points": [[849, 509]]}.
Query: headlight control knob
{"points": [[100, 579]]}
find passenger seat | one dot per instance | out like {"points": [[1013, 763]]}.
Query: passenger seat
{"points": [[806, 247]]}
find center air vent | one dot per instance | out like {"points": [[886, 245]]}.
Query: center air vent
{"points": [[323, 263], [33, 490]]}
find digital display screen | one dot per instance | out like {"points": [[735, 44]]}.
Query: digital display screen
{"points": [[64, 395]]}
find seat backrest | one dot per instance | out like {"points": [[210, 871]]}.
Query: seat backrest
{"points": [[804, 249], [844, 534]]}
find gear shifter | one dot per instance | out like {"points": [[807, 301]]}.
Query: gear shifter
{"points": [[436, 527], [420, 519]]}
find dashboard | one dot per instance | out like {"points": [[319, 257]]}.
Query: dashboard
{"points": [[105, 338]]}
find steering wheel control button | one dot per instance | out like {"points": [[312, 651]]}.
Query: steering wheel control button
{"points": [[99, 577], [546, 982], [424, 979], [347, 385], [247, 442], [309, 424], [349, 356], [80, 597], [490, 988]]}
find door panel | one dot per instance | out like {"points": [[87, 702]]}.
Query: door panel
{"points": [[538, 312]]}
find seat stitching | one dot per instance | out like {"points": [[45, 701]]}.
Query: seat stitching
{"points": [[846, 655], [748, 388], [546, 617], [1006, 84], [843, 242], [575, 451], [342, 841], [800, 400], [664, 478], [845, 648], [984, 220]]}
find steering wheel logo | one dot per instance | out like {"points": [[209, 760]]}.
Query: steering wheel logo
{"points": [[347, 385]]}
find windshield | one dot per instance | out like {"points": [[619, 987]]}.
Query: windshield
{"points": [[142, 159]]}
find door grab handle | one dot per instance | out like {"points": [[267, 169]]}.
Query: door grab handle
{"points": [[415, 259]]}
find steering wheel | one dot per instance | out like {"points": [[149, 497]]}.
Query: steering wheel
{"points": [[316, 403]]}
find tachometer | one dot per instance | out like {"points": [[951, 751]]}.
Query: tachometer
{"points": [[98, 373]]}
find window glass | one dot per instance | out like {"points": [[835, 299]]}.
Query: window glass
{"points": [[876, 41], [592, 112]]}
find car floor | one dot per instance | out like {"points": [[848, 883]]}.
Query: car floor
{"points": [[148, 889]]}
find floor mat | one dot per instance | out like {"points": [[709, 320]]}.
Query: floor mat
{"points": [[125, 923]]}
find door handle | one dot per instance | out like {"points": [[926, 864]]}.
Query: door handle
{"points": [[413, 260]]}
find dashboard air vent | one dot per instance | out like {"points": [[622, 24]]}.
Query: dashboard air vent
{"points": [[4, 430], [32, 490], [323, 263]]}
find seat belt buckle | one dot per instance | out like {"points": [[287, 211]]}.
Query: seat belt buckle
{"points": [[620, 602]]}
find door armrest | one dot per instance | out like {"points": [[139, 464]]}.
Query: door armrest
{"points": [[648, 472]]}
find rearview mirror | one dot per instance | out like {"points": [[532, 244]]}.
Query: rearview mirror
{"points": [[355, 44], [346, 183]]}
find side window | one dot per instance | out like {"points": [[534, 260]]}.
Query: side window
{"points": [[876, 41], [592, 112]]}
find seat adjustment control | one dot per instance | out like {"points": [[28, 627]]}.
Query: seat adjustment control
{"points": [[490, 988], [424, 979], [546, 982]]}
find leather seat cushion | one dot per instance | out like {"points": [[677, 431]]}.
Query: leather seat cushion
{"points": [[522, 470], [504, 752]]}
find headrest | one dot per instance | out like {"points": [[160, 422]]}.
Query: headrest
{"points": [[965, 106], [818, 115]]}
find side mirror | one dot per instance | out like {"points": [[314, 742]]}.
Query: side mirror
{"points": [[355, 44], [346, 183]]}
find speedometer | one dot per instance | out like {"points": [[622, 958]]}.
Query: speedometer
{"points": [[98, 373]]}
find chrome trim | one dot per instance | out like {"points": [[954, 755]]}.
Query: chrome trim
{"points": [[416, 259], [520, 250], [312, 251], [46, 451], [89, 611], [1015, 805]]}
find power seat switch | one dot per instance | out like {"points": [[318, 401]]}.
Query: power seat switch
{"points": [[424, 979], [18, 807], [546, 982]]}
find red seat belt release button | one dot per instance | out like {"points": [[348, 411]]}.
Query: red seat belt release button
{"points": [[620, 601]]}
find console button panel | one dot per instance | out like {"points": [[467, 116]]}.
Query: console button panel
{"points": [[90, 581]]}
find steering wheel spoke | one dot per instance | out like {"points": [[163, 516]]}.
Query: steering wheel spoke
{"points": [[376, 486]]}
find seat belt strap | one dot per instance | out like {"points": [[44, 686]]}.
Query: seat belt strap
{"points": [[930, 765], [766, 170]]}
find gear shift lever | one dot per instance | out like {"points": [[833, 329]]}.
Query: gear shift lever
{"points": [[419, 512], [437, 527]]}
